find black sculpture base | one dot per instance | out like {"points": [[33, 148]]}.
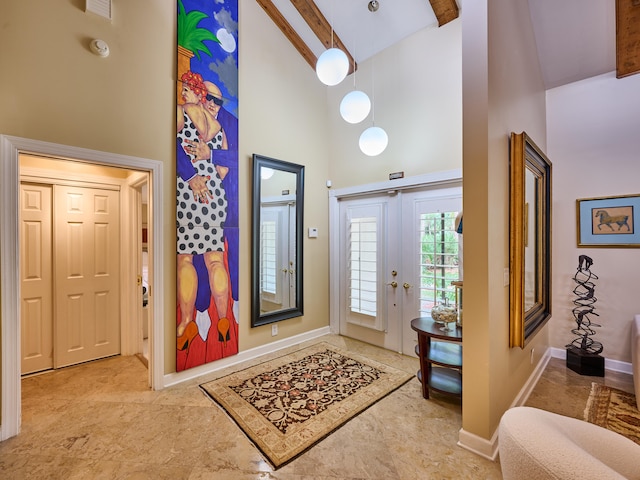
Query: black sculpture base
{"points": [[585, 363]]}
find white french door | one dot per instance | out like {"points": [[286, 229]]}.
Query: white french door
{"points": [[431, 254], [368, 256], [398, 254], [278, 254]]}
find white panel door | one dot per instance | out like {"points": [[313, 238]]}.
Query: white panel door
{"points": [[431, 253], [87, 269], [368, 259], [36, 309]]}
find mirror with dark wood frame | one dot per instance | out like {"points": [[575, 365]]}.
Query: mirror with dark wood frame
{"points": [[277, 216], [529, 240]]}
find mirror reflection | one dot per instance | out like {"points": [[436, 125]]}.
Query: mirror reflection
{"points": [[277, 240], [529, 240]]}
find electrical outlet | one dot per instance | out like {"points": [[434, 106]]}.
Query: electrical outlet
{"points": [[274, 329]]}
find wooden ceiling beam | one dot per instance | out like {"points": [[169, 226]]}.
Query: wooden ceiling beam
{"points": [[322, 28], [627, 37], [289, 32], [445, 10]]}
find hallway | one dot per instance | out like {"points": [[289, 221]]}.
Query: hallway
{"points": [[100, 421]]}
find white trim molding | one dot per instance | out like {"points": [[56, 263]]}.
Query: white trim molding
{"points": [[613, 365], [480, 446], [10, 149], [186, 375], [489, 448]]}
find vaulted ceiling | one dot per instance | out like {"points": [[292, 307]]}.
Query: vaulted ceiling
{"points": [[576, 39]]}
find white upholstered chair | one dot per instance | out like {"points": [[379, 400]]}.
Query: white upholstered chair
{"points": [[537, 445]]}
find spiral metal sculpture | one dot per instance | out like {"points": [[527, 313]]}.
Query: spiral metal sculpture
{"points": [[584, 307]]}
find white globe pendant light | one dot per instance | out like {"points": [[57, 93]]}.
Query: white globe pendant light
{"points": [[355, 106], [373, 141], [332, 66]]}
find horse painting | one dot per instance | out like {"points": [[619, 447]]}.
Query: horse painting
{"points": [[607, 220]]}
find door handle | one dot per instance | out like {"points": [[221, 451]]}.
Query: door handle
{"points": [[394, 284], [406, 286]]}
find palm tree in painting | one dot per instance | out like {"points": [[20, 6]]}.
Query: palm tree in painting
{"points": [[190, 36]]}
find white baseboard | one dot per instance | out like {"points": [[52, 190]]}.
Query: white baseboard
{"points": [[480, 446], [186, 375], [613, 365], [489, 448]]}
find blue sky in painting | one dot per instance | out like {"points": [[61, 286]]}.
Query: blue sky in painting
{"points": [[221, 67]]}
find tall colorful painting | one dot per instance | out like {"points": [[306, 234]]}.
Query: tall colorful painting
{"points": [[207, 182]]}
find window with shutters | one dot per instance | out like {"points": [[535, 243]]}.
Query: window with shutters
{"points": [[268, 256], [363, 265]]}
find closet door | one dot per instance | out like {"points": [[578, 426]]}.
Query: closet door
{"points": [[36, 308], [87, 269]]}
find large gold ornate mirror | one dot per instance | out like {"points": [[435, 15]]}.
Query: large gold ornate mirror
{"points": [[276, 241], [529, 240]]}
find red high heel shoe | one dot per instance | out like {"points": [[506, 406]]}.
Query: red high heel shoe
{"points": [[223, 330], [190, 332]]}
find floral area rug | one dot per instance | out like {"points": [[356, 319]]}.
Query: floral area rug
{"points": [[615, 410], [287, 405]]}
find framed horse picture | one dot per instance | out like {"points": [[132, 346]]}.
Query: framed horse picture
{"points": [[608, 221]]}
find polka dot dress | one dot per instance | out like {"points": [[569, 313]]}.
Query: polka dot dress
{"points": [[200, 225]]}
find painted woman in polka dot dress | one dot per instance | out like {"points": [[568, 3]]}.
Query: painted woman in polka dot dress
{"points": [[201, 212]]}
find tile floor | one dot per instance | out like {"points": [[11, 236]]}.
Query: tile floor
{"points": [[100, 421]]}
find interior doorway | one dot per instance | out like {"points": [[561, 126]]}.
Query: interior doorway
{"points": [[10, 150], [81, 226]]}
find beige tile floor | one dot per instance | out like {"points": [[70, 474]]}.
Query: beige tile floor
{"points": [[100, 421]]}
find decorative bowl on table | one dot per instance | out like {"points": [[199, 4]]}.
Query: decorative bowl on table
{"points": [[444, 314]]}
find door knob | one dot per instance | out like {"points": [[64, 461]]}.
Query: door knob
{"points": [[406, 286], [393, 284]]}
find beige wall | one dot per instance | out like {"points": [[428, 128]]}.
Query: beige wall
{"points": [[594, 146], [502, 92], [283, 116], [417, 100], [52, 88]]}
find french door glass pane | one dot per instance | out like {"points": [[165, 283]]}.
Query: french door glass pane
{"points": [[439, 259]]}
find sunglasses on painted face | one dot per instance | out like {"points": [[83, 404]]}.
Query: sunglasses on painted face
{"points": [[216, 100]]}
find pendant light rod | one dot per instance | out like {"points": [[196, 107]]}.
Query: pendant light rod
{"points": [[373, 91]]}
